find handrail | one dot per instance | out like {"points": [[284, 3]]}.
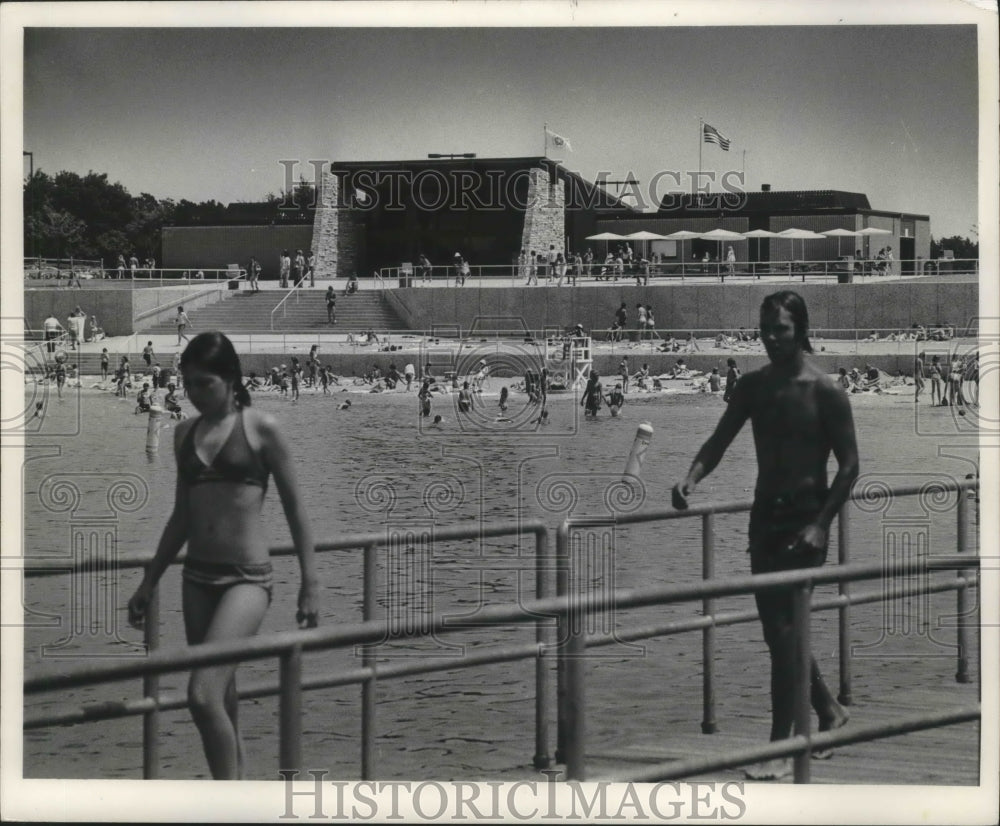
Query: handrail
{"points": [[521, 275], [292, 643], [543, 610], [152, 703], [296, 286], [870, 494], [174, 302]]}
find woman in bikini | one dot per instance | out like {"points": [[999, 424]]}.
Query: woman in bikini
{"points": [[224, 459]]}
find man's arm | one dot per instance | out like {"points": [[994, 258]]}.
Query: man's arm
{"points": [[711, 453]]}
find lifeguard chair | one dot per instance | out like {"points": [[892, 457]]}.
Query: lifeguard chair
{"points": [[571, 356]]}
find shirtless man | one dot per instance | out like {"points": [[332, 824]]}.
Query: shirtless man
{"points": [[798, 415]]}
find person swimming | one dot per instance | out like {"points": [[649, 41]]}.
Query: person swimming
{"points": [[503, 399]]}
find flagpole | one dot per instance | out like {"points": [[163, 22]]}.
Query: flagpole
{"points": [[545, 140], [701, 140]]}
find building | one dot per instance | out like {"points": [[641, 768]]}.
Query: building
{"points": [[817, 210], [382, 214], [369, 215]]}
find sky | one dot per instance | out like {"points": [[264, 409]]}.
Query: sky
{"points": [[890, 111]]}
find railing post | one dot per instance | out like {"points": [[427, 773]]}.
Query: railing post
{"points": [[962, 543], [844, 613], [151, 688], [542, 590], [576, 648], [708, 724], [368, 661], [290, 709], [562, 626], [803, 661]]}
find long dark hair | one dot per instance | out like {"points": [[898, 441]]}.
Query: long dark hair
{"points": [[796, 306], [214, 352]]}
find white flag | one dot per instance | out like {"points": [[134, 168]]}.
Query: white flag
{"points": [[558, 140]]}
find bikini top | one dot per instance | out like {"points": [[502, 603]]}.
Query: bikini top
{"points": [[235, 462]]}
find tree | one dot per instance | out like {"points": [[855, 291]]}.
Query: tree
{"points": [[57, 233], [960, 247]]}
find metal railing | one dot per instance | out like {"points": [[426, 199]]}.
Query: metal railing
{"points": [[840, 269], [288, 646], [142, 276], [56, 268], [803, 743], [569, 747], [567, 610], [295, 289]]}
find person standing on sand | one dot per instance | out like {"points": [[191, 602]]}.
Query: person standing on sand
{"points": [[732, 376], [799, 416], [227, 577], [918, 376]]}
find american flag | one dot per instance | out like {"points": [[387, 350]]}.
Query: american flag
{"points": [[713, 135]]}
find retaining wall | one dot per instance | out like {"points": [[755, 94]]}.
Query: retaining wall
{"points": [[115, 309], [895, 305]]}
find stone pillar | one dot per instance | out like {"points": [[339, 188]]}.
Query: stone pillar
{"points": [[326, 226], [545, 215]]}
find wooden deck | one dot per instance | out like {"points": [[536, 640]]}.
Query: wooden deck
{"points": [[946, 756]]}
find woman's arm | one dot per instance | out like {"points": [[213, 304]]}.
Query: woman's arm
{"points": [[175, 534], [280, 462]]}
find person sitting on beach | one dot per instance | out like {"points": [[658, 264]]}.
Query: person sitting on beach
{"points": [[844, 380], [352, 284], [799, 417], [873, 336], [680, 370], [642, 377], [142, 401], [170, 403], [872, 378], [227, 577], [392, 377], [692, 343]]}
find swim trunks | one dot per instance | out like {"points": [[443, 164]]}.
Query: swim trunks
{"points": [[775, 525], [222, 575]]}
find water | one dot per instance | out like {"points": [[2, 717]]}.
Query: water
{"points": [[376, 467]]}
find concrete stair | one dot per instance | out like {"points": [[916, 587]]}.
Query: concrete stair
{"points": [[251, 313]]}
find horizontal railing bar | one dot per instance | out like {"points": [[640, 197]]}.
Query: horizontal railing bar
{"points": [[43, 567], [738, 617], [231, 651], [173, 701], [168, 702], [352, 542], [794, 745], [657, 514]]}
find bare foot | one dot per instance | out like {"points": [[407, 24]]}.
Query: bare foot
{"points": [[839, 719], [770, 769]]}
